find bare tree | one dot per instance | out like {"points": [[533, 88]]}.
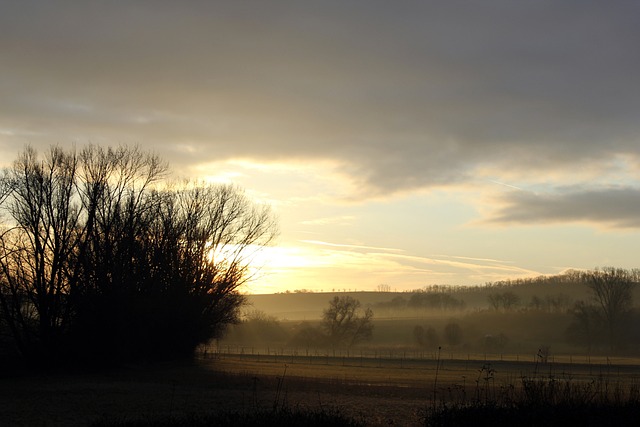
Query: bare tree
{"points": [[35, 249], [586, 328], [206, 241], [112, 299], [176, 256], [345, 323], [612, 293]]}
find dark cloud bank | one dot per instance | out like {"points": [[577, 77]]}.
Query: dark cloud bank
{"points": [[614, 207], [404, 95]]}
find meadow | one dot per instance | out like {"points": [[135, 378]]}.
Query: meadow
{"points": [[511, 367], [358, 389]]}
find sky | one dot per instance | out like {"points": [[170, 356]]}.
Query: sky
{"points": [[404, 143]]}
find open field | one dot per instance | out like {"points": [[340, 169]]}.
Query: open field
{"points": [[161, 391], [422, 376], [375, 391]]}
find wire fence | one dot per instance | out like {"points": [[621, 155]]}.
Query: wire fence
{"points": [[404, 357]]}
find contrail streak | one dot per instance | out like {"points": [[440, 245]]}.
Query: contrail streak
{"points": [[506, 185]]}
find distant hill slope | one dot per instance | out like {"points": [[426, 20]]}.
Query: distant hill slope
{"points": [[309, 306]]}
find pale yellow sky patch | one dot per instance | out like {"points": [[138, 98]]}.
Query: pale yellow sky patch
{"points": [[334, 220]]}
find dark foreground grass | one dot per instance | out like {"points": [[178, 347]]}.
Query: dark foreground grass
{"points": [[280, 417], [533, 415], [541, 401], [242, 392], [477, 415]]}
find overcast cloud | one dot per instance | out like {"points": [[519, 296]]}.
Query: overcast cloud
{"points": [[614, 207], [403, 95]]}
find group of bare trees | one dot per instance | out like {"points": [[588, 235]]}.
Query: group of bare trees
{"points": [[604, 320], [101, 257], [504, 301]]}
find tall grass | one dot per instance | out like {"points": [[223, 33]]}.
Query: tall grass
{"points": [[538, 400]]}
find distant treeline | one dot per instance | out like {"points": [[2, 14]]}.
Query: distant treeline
{"points": [[588, 311], [552, 293], [432, 300]]}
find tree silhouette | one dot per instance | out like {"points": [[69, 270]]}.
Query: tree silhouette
{"points": [[345, 323], [586, 328], [98, 260], [611, 290], [36, 247]]}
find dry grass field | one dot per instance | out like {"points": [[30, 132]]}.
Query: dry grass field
{"points": [[421, 373], [373, 391]]}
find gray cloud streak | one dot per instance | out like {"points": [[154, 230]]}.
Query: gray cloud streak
{"points": [[613, 207]]}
